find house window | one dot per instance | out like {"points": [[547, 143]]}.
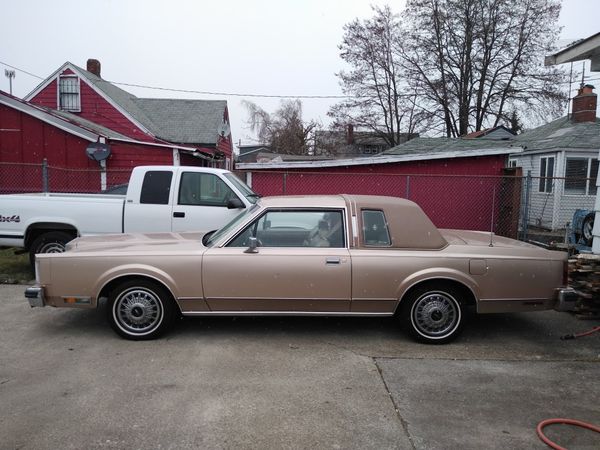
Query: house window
{"points": [[546, 174], [512, 163], [580, 176], [68, 93]]}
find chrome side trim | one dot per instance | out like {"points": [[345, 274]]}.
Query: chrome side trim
{"points": [[337, 299], [524, 299], [285, 313]]}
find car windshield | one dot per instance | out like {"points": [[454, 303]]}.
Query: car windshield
{"points": [[214, 236], [243, 188]]}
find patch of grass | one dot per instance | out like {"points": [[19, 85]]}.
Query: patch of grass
{"points": [[14, 269]]}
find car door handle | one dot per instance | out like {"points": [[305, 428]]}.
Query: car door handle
{"points": [[178, 214], [332, 260]]}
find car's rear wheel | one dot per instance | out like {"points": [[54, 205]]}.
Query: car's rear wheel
{"points": [[434, 313], [140, 309]]}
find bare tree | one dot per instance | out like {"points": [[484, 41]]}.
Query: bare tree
{"points": [[378, 99], [451, 67], [476, 62], [284, 130]]}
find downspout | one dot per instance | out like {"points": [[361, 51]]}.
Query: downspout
{"points": [[103, 182]]}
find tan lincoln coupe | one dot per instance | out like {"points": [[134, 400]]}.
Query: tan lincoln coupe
{"points": [[338, 255]]}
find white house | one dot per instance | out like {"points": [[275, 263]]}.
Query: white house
{"points": [[562, 159]]}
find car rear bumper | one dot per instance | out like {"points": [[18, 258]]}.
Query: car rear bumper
{"points": [[565, 300], [35, 296]]}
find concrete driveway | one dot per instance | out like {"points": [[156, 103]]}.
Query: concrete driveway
{"points": [[67, 381]]}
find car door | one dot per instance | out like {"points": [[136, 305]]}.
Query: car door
{"points": [[301, 264], [201, 202]]}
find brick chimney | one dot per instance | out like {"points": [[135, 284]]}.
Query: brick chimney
{"points": [[93, 65], [584, 104]]}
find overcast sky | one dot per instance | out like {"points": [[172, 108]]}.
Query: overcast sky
{"points": [[275, 47]]}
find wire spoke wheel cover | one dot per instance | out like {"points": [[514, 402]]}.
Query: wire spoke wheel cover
{"points": [[436, 314], [140, 309]]}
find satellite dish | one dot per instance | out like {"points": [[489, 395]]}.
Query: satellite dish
{"points": [[98, 151], [224, 130]]}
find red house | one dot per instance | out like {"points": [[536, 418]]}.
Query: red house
{"points": [[201, 124], [30, 134]]}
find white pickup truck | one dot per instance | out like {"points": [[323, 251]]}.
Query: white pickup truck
{"points": [[159, 198]]}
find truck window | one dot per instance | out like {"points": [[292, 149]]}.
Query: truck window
{"points": [[156, 187], [204, 189]]}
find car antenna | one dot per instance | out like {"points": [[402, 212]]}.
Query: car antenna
{"points": [[492, 221]]}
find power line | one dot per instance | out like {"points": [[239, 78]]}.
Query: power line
{"points": [[232, 94], [21, 70]]}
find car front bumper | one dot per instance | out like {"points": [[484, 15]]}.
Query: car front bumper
{"points": [[35, 296], [566, 298]]}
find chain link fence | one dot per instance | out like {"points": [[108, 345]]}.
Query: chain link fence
{"points": [[18, 178], [521, 207]]}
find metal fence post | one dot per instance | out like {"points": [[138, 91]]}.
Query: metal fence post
{"points": [[408, 187], [45, 181], [525, 218], [285, 183]]}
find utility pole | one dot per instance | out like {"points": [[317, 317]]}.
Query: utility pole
{"points": [[10, 74]]}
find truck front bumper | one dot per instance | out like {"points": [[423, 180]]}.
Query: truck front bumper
{"points": [[35, 296], [566, 298]]}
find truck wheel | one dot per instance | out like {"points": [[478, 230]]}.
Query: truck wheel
{"points": [[140, 310], [434, 313], [51, 242], [587, 227]]}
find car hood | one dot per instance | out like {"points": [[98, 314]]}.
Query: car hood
{"points": [[137, 242]]}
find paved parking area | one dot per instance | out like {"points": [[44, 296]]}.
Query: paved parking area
{"points": [[67, 381]]}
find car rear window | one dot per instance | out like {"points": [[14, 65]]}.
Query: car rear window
{"points": [[375, 229]]}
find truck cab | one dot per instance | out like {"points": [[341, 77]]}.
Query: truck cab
{"points": [[167, 198]]}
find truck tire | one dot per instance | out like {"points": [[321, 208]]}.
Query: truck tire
{"points": [[50, 242], [587, 226]]}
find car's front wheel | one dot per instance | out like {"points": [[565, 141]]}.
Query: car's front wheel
{"points": [[140, 309], [434, 313]]}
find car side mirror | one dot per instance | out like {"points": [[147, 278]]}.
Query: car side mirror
{"points": [[252, 245], [235, 203]]}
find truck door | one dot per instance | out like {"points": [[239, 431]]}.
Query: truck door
{"points": [[200, 203], [151, 210]]}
